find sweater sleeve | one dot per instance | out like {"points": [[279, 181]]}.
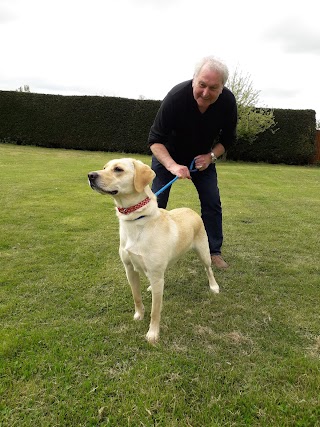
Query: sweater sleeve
{"points": [[163, 123], [228, 134]]}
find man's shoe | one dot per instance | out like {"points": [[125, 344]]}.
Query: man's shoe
{"points": [[218, 261]]}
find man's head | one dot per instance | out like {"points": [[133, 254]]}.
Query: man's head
{"points": [[209, 79]]}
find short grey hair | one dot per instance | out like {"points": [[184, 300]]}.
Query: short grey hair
{"points": [[215, 65]]}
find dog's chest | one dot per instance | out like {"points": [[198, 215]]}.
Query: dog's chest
{"points": [[133, 245]]}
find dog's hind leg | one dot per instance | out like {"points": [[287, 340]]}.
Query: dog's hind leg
{"points": [[157, 297], [201, 247], [214, 287], [134, 281]]}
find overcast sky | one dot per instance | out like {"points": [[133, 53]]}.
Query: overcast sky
{"points": [[142, 48]]}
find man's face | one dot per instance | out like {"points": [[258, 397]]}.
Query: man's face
{"points": [[207, 87]]}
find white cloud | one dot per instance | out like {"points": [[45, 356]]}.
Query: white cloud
{"points": [[130, 48], [296, 36]]}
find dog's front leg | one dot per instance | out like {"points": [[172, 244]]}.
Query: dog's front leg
{"points": [[134, 281], [157, 296]]}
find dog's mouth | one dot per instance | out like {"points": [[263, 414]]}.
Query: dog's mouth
{"points": [[101, 190]]}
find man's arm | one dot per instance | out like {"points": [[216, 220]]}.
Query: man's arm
{"points": [[218, 149], [163, 156], [227, 138]]}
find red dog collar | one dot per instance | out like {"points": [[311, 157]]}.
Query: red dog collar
{"points": [[127, 211]]}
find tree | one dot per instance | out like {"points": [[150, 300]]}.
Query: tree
{"points": [[251, 119], [24, 88]]}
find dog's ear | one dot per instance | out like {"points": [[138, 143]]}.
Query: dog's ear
{"points": [[143, 175]]}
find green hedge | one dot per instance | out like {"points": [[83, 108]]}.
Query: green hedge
{"points": [[122, 125], [292, 141], [77, 122]]}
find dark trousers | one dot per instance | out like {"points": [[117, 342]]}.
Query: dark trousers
{"points": [[206, 183]]}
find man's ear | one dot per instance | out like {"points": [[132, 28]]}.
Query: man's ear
{"points": [[143, 175]]}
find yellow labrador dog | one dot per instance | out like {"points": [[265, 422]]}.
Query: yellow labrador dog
{"points": [[150, 238]]}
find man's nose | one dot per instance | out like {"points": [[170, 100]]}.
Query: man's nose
{"points": [[205, 92]]}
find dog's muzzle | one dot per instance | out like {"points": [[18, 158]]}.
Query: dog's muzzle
{"points": [[93, 176]]}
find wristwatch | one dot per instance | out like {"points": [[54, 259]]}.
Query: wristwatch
{"points": [[214, 158]]}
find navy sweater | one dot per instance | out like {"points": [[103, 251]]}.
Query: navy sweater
{"points": [[185, 131]]}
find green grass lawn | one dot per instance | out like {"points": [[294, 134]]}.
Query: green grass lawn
{"points": [[70, 352]]}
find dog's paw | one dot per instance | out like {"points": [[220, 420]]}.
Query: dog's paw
{"points": [[214, 289], [152, 337], [139, 315]]}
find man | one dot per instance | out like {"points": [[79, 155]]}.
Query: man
{"points": [[196, 120]]}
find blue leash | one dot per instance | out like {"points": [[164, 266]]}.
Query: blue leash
{"points": [[191, 169]]}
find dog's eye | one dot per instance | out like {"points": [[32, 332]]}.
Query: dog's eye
{"points": [[117, 169]]}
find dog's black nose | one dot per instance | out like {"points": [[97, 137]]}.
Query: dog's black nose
{"points": [[92, 176]]}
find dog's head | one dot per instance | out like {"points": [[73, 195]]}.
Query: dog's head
{"points": [[121, 176]]}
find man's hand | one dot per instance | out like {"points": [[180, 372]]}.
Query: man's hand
{"points": [[180, 171], [202, 161], [162, 154]]}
